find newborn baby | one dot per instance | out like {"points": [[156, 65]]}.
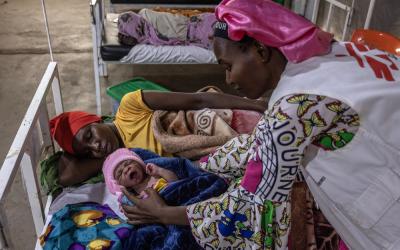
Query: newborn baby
{"points": [[124, 168]]}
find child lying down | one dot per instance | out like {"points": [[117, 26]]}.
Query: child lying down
{"points": [[178, 181], [124, 168]]}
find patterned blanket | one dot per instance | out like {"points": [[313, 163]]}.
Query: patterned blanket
{"points": [[85, 226], [196, 133], [192, 134]]}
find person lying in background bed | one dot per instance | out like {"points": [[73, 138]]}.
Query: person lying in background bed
{"points": [[87, 140], [161, 28]]}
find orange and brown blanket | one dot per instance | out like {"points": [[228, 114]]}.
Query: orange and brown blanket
{"points": [[196, 133]]}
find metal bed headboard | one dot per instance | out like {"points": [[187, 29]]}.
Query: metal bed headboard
{"points": [[31, 140], [345, 7]]}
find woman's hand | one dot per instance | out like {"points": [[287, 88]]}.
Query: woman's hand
{"points": [[153, 209], [146, 210]]}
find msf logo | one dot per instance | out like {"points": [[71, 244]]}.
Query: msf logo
{"points": [[380, 63]]}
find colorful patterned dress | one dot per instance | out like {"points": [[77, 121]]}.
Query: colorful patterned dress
{"points": [[255, 211]]}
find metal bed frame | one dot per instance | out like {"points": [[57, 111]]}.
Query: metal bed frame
{"points": [[349, 12], [31, 141], [98, 14]]}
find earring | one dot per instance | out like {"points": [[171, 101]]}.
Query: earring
{"points": [[261, 49]]}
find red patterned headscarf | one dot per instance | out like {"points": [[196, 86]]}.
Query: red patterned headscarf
{"points": [[65, 126], [275, 26]]}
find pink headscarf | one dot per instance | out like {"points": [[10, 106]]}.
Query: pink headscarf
{"points": [[273, 25]]}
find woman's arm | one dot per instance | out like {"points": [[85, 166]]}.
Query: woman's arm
{"points": [[229, 160], [73, 170], [192, 101]]}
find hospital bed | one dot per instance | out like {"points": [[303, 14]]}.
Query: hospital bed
{"points": [[33, 140], [107, 49]]}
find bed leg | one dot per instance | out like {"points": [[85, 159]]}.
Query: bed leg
{"points": [[102, 68], [105, 73]]}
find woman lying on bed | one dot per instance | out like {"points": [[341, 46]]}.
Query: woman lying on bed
{"points": [[87, 140], [160, 28]]}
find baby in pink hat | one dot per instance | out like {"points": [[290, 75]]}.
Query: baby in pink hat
{"points": [[124, 168]]}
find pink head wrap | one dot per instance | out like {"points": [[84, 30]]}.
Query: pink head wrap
{"points": [[111, 163], [275, 26]]}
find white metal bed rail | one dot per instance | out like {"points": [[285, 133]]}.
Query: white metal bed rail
{"points": [[32, 138], [100, 68], [349, 12], [334, 3]]}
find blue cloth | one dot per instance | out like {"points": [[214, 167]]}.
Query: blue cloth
{"points": [[85, 226], [194, 185]]}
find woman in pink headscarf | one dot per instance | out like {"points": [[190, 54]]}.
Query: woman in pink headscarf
{"points": [[333, 114]]}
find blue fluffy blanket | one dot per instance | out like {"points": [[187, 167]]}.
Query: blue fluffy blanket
{"points": [[194, 185]]}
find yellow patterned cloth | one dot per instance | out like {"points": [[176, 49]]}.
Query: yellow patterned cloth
{"points": [[160, 184]]}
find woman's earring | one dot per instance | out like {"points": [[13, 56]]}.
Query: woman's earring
{"points": [[269, 55], [261, 49]]}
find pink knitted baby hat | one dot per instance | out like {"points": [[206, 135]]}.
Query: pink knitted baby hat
{"points": [[111, 163]]}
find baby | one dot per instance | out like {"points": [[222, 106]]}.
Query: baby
{"points": [[124, 168]]}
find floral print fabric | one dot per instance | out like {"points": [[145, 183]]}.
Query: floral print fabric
{"points": [[255, 211]]}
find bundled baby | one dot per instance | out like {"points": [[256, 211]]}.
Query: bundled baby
{"points": [[124, 168]]}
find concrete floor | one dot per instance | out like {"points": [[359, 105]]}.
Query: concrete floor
{"points": [[24, 58]]}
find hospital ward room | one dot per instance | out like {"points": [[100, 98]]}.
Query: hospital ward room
{"points": [[200, 124]]}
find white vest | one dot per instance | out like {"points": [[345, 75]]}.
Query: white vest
{"points": [[357, 186]]}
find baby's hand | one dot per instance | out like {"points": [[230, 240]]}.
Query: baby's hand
{"points": [[153, 170], [159, 172]]}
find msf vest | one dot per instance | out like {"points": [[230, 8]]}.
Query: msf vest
{"points": [[357, 186]]}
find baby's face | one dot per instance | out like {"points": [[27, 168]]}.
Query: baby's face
{"points": [[129, 173]]}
